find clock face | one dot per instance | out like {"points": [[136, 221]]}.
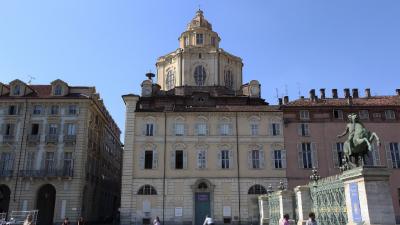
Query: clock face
{"points": [[254, 90]]}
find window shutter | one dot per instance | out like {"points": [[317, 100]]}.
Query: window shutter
{"points": [[12, 129], [206, 157], [173, 159], [42, 162], [262, 159], [283, 156], [219, 161], [196, 129], [155, 129], [335, 155], [185, 159], [300, 156], [186, 129], [231, 161], [377, 158], [249, 159], [173, 129], [144, 129], [272, 156], [141, 159], [207, 129], [3, 129], [270, 129], [306, 129], [155, 159], [389, 156], [278, 129], [198, 152], [299, 130], [314, 155]]}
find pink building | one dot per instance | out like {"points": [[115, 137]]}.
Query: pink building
{"points": [[311, 126]]}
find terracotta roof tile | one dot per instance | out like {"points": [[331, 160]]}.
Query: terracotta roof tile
{"points": [[371, 101]]}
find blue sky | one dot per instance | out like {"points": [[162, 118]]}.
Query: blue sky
{"points": [[291, 46]]}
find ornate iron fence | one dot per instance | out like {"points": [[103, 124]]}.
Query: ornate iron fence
{"points": [[274, 208], [329, 202]]}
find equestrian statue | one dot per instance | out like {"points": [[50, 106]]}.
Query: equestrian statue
{"points": [[358, 144]]}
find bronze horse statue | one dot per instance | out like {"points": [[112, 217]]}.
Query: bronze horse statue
{"points": [[358, 143]]}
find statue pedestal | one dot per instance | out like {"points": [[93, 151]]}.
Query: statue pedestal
{"points": [[264, 210], [304, 203], [368, 198]]}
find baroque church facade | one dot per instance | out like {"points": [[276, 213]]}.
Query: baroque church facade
{"points": [[198, 140]]}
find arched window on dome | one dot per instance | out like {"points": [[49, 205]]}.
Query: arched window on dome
{"points": [[228, 78], [147, 190], [170, 81], [257, 190], [200, 75]]}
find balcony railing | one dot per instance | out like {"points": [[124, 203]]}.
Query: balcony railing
{"points": [[6, 173], [47, 173], [52, 138], [34, 138], [70, 139], [8, 138]]}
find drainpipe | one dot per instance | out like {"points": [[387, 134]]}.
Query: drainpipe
{"points": [[165, 160], [237, 162]]}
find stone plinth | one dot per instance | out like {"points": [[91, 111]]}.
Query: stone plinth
{"points": [[264, 210], [286, 203], [304, 203], [368, 198]]}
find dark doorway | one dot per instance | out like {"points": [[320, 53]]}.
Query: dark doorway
{"points": [[202, 207], [45, 203], [4, 198]]}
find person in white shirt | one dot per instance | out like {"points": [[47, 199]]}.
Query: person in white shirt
{"points": [[208, 221]]}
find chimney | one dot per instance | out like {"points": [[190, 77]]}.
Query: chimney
{"points": [[322, 92], [355, 93], [367, 92], [302, 97], [280, 101], [398, 92], [285, 99], [334, 93], [346, 93], [312, 94]]}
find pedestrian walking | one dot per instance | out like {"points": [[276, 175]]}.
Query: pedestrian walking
{"points": [[29, 220], [208, 221], [156, 221], [80, 221], [66, 221], [311, 219], [285, 220]]}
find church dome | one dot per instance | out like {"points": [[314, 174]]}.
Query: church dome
{"points": [[199, 21]]}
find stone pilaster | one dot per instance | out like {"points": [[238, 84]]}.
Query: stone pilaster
{"points": [[127, 165], [368, 198], [304, 203]]}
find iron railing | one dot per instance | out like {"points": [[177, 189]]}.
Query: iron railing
{"points": [[34, 138], [8, 138], [52, 138], [47, 173]]}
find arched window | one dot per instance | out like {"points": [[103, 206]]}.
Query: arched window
{"points": [[228, 78], [147, 190], [202, 186], [257, 190], [200, 76], [170, 81]]}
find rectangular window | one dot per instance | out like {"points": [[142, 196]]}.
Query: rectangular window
{"points": [[201, 159], [6, 161], [149, 129], [30, 161], [390, 114], [225, 159], [179, 129], [49, 162], [278, 159], [254, 129], [395, 154], [304, 115], [202, 129], [148, 159], [12, 110], [213, 42], [307, 155], [255, 159], [339, 154], [276, 129], [199, 39], [337, 114], [35, 129], [304, 130], [179, 159], [224, 129], [53, 129], [9, 129], [17, 90], [67, 167], [186, 41], [71, 129], [364, 114], [54, 109], [72, 110], [37, 110]]}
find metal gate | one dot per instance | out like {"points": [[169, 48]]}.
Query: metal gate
{"points": [[274, 208], [329, 203]]}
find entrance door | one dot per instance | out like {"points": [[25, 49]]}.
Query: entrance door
{"points": [[4, 198], [45, 203], [202, 205]]}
